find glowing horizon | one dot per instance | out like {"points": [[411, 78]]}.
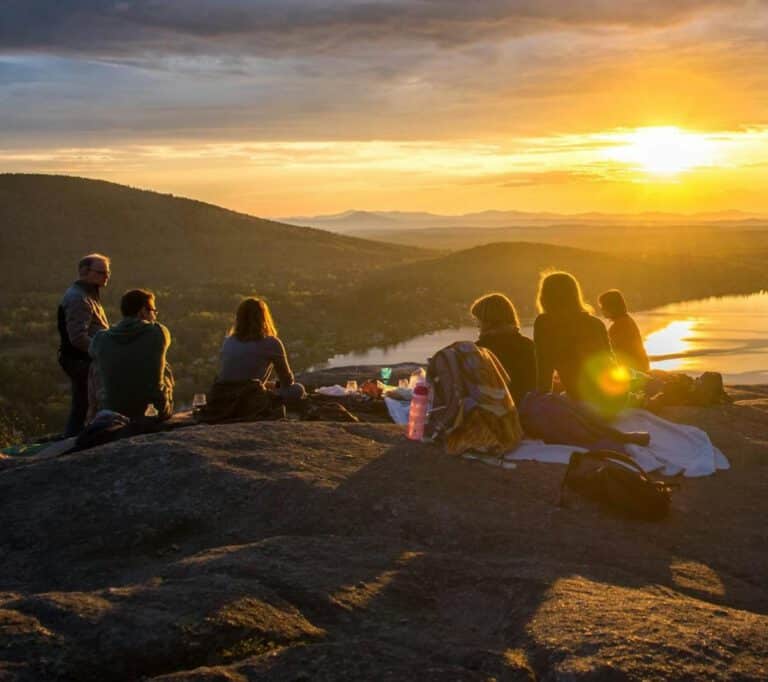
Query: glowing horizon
{"points": [[302, 108], [645, 169]]}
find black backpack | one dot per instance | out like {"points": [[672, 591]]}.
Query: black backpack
{"points": [[708, 389], [616, 483]]}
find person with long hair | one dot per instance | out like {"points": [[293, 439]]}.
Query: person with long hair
{"points": [[573, 342], [625, 337], [500, 333], [252, 350]]}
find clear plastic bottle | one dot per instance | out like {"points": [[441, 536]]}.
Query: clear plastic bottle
{"points": [[417, 415]]}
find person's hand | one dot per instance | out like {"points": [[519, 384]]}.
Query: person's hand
{"points": [[270, 385]]}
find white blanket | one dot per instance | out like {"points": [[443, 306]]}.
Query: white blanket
{"points": [[674, 448]]}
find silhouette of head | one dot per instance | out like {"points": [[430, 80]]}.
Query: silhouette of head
{"points": [[612, 304], [253, 320], [494, 310], [94, 269], [138, 303], [559, 292]]}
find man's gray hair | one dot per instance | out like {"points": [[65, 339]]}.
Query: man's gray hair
{"points": [[87, 261]]}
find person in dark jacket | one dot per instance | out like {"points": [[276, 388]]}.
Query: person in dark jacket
{"points": [[500, 333], [80, 317], [573, 342], [130, 358], [253, 350], [625, 337]]}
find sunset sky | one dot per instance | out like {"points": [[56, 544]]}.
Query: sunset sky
{"points": [[289, 107]]}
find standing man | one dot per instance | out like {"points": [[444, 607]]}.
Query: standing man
{"points": [[80, 316]]}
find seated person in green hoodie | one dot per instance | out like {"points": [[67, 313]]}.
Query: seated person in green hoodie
{"points": [[130, 359]]}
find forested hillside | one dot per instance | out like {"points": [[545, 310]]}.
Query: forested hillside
{"points": [[49, 222]]}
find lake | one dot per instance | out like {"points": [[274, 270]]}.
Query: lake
{"points": [[727, 334]]}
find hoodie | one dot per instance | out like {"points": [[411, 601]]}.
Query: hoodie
{"points": [[130, 360]]}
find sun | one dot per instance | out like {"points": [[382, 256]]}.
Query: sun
{"points": [[663, 150]]}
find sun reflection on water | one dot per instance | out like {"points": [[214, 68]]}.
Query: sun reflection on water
{"points": [[675, 339]]}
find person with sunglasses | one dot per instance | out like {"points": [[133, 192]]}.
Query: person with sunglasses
{"points": [[130, 359], [80, 316]]}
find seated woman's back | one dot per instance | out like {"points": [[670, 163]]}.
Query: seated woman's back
{"points": [[574, 342], [252, 349], [626, 340], [500, 333], [568, 343], [516, 354], [253, 359]]}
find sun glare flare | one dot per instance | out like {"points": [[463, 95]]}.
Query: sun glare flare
{"points": [[664, 150], [614, 381]]}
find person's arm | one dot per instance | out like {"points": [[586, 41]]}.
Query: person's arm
{"points": [[627, 344], [280, 363], [641, 355], [93, 346], [605, 341], [528, 374], [163, 393], [620, 337], [78, 315], [614, 337], [544, 362]]}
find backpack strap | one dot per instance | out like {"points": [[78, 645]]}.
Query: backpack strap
{"points": [[575, 455], [604, 455], [444, 418], [619, 457]]}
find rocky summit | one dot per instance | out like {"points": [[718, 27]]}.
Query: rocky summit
{"points": [[329, 551]]}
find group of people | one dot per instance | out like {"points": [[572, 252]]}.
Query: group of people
{"points": [[571, 349], [124, 368]]}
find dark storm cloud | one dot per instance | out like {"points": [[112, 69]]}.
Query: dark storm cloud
{"points": [[117, 28]]}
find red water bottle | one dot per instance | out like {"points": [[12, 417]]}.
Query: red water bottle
{"points": [[417, 416]]}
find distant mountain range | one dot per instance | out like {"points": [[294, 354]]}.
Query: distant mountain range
{"points": [[363, 221]]}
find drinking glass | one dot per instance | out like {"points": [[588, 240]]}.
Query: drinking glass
{"points": [[198, 401], [386, 373], [351, 386]]}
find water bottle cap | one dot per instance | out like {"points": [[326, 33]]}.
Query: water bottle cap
{"points": [[420, 389]]}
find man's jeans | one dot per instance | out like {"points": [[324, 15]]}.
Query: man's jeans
{"points": [[77, 371]]}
